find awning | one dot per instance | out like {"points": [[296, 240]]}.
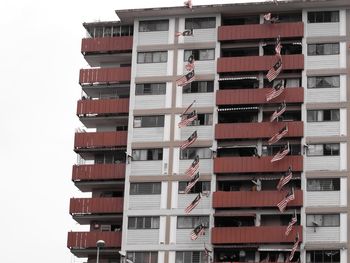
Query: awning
{"points": [[233, 213], [237, 78], [238, 108]]}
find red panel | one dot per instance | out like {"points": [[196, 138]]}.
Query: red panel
{"points": [[89, 239], [105, 75], [100, 139], [257, 96], [258, 63], [98, 172], [240, 199], [256, 164], [96, 205], [106, 44], [103, 106], [245, 32], [257, 130], [263, 234]]}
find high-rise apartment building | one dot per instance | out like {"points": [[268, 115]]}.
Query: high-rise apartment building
{"points": [[272, 149]]}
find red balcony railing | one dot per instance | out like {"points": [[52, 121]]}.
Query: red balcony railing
{"points": [[107, 106], [102, 205], [247, 32], [106, 44], [262, 234], [100, 139], [257, 96], [83, 240], [95, 172], [105, 75], [258, 63], [256, 164], [257, 130], [241, 199]]}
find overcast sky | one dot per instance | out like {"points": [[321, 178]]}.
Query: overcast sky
{"points": [[39, 64]]}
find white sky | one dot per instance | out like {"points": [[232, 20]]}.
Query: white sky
{"points": [[39, 64]]}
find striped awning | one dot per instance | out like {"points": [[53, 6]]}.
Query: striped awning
{"points": [[238, 108], [237, 78]]}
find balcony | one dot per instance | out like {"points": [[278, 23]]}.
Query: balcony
{"points": [[245, 199], [106, 45], [82, 244], [262, 31], [258, 63], [256, 130], [102, 107], [262, 234], [96, 140], [256, 164], [103, 205], [257, 96], [97, 172], [104, 75]]}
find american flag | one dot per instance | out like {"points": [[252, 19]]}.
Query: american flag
{"points": [[283, 204], [275, 91], [187, 109], [295, 247], [278, 46], [291, 224], [189, 141], [188, 32], [191, 183], [190, 63], [275, 70], [187, 119], [197, 231], [285, 179], [267, 17], [278, 136], [188, 3], [193, 168], [281, 154], [193, 204], [184, 80], [281, 109]]}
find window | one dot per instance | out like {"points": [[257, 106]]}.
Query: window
{"points": [[322, 115], [191, 153], [203, 119], [154, 25], [320, 256], [270, 150], [323, 82], [199, 187], [190, 222], [329, 149], [323, 49], [322, 220], [199, 87], [200, 54], [190, 257], [147, 155], [327, 184], [143, 257], [200, 23], [148, 121], [146, 222], [145, 188], [323, 17], [150, 89], [152, 57]]}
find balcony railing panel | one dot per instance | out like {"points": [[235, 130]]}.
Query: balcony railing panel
{"points": [[84, 240], [102, 205], [105, 106], [261, 31], [256, 164], [106, 44], [100, 139], [105, 75], [95, 172]]}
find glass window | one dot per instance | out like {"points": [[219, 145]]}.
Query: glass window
{"points": [[190, 222], [323, 82], [147, 155], [148, 121], [329, 149], [329, 184], [143, 257], [150, 89], [323, 220], [191, 153], [203, 119], [147, 222], [145, 188], [323, 256], [152, 57], [323, 115], [200, 23], [200, 54], [323, 49], [154, 25], [199, 187], [199, 87], [190, 257], [323, 17]]}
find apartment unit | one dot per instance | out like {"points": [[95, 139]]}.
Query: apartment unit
{"points": [[271, 152]]}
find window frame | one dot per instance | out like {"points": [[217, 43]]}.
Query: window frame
{"points": [[134, 222], [322, 79], [312, 16], [200, 22], [152, 256], [159, 121], [156, 151], [157, 24], [315, 49], [199, 87], [319, 115], [321, 218], [151, 56], [155, 188], [190, 257], [319, 185], [197, 53], [191, 153], [199, 187], [192, 221], [154, 89], [324, 146], [323, 253]]}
